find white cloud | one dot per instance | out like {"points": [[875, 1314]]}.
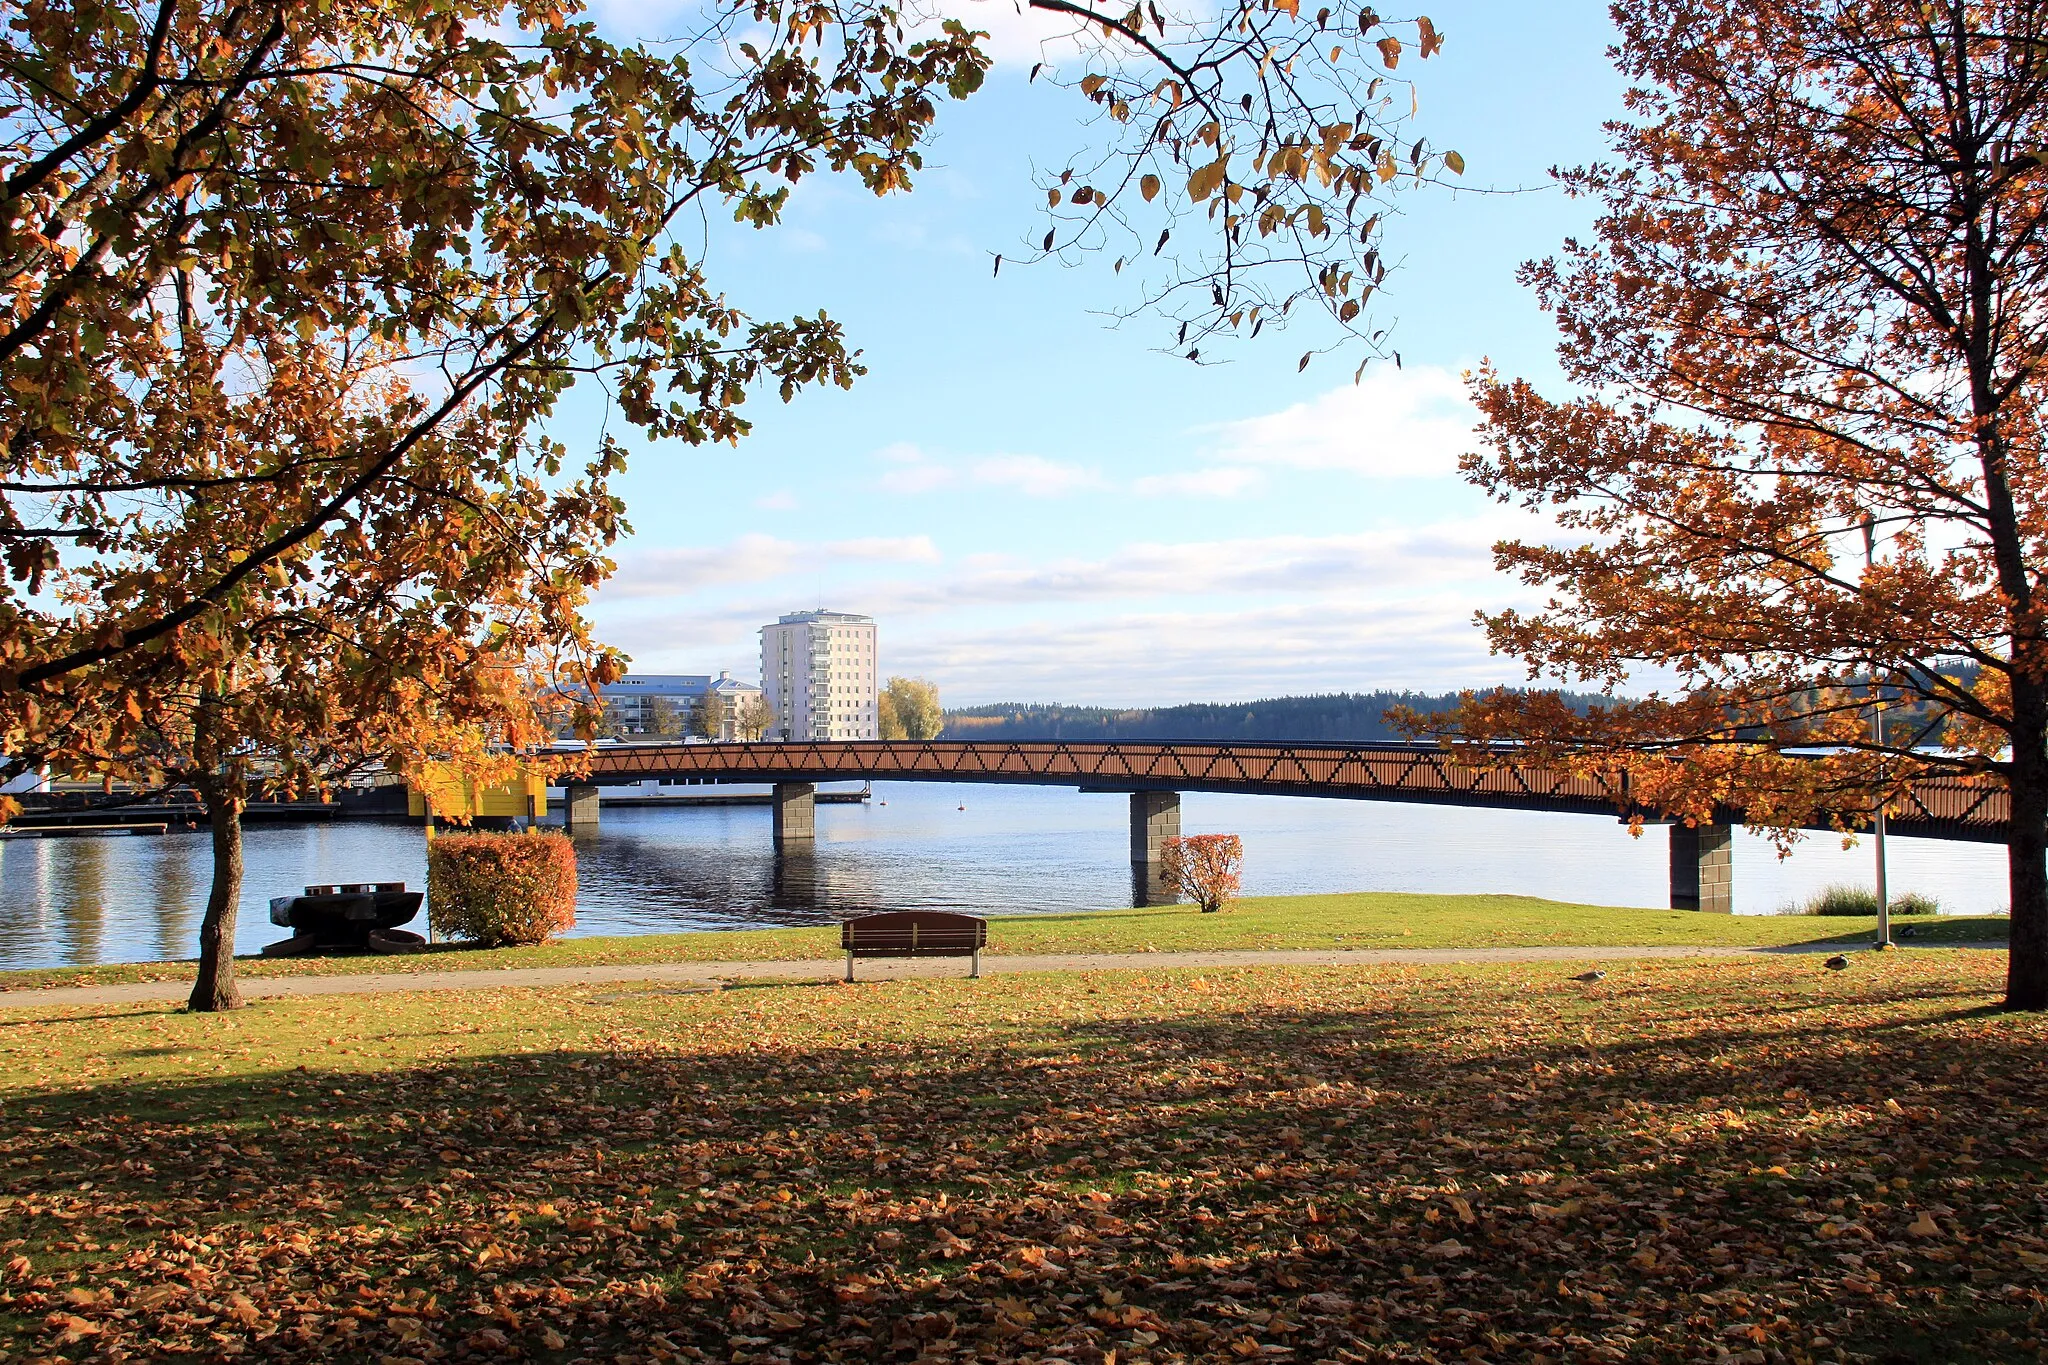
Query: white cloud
{"points": [[1018, 34], [1357, 643], [1165, 657], [910, 470], [1034, 475], [1221, 482], [1395, 423], [1382, 564], [912, 479], [1388, 570], [781, 500], [1149, 623], [753, 559], [885, 549]]}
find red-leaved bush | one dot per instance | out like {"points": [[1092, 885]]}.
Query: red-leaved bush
{"points": [[1203, 867], [501, 889]]}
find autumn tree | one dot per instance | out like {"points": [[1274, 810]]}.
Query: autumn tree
{"points": [[1203, 867], [754, 718], [293, 289], [708, 716], [663, 718], [910, 706], [1814, 309], [488, 192], [383, 646]]}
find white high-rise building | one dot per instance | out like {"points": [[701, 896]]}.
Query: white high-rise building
{"points": [[818, 669]]}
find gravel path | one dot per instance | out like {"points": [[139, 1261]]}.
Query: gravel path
{"points": [[711, 975]]}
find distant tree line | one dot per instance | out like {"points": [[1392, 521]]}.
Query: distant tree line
{"points": [[1341, 716]]}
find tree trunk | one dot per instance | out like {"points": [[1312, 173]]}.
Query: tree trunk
{"points": [[215, 988], [2026, 973]]}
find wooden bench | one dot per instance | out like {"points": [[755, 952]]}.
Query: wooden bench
{"points": [[914, 933]]}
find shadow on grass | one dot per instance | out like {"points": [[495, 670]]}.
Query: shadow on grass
{"points": [[1988, 934], [37, 1020], [772, 983], [1268, 1174]]}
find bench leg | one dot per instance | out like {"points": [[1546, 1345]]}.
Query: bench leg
{"points": [[975, 973], [849, 964]]}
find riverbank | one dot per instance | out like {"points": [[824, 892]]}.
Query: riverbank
{"points": [[1361, 920], [1497, 1162]]}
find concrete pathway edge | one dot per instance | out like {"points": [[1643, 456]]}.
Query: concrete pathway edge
{"points": [[816, 969]]}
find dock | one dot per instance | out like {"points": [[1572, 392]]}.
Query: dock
{"points": [[81, 831]]}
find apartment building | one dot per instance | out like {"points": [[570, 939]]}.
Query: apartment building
{"points": [[818, 670]]}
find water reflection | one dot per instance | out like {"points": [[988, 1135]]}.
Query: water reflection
{"points": [[80, 884], [1011, 850], [794, 884], [180, 901]]}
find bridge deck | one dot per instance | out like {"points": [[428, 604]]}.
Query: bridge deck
{"points": [[1940, 808]]}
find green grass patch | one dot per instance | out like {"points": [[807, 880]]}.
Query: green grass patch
{"points": [[1369, 919]]}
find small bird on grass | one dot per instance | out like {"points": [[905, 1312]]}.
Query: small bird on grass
{"points": [[1837, 963], [1595, 975]]}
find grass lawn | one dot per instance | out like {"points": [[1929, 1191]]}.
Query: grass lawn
{"points": [[1371, 919], [1750, 1159]]}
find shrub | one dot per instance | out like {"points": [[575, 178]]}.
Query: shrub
{"points": [[501, 889], [1862, 901], [1203, 867]]}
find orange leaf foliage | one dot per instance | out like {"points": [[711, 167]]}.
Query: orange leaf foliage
{"points": [[1807, 330], [1396, 1164], [502, 889], [1204, 868]]}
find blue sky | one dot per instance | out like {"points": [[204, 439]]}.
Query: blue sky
{"points": [[1036, 505]]}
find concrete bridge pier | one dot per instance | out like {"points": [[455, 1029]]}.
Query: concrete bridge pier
{"points": [[579, 808], [1703, 868], [796, 817], [1155, 818]]}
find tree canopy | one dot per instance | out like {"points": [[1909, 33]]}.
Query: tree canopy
{"points": [[1811, 325], [294, 289], [467, 205], [908, 708]]}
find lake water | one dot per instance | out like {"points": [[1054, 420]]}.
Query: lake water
{"points": [[1012, 850]]}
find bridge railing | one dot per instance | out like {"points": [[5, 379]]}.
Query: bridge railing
{"points": [[1943, 807]]}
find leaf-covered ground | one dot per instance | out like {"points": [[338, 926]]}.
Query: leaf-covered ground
{"points": [[1370, 919], [1753, 1160]]}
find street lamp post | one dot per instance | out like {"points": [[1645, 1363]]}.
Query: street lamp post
{"points": [[1884, 904]]}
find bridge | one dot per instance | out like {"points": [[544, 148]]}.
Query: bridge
{"points": [[1154, 774]]}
